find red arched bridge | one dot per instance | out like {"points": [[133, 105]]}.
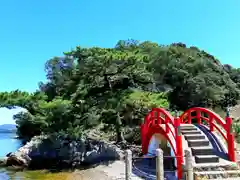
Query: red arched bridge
{"points": [[201, 130]]}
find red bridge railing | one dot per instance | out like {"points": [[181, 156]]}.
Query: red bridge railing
{"points": [[154, 121], [213, 120], [153, 124]]}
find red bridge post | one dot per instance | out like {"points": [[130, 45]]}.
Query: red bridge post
{"points": [[189, 118], [211, 123], [199, 120], [178, 146], [167, 124], [143, 135], [230, 137], [144, 130]]}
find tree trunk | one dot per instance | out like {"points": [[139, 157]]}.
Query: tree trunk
{"points": [[119, 129]]}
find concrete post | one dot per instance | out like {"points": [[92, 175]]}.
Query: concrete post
{"points": [[128, 165], [159, 165], [189, 165]]}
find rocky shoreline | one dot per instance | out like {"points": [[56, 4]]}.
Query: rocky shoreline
{"points": [[47, 152]]}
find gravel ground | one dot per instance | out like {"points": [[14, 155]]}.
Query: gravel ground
{"points": [[114, 171]]}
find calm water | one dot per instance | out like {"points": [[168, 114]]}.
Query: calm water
{"points": [[9, 144]]}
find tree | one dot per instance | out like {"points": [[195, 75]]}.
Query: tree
{"points": [[92, 88]]}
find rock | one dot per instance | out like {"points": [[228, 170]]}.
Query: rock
{"points": [[18, 159], [7, 155], [3, 162], [136, 150], [43, 150], [104, 152]]}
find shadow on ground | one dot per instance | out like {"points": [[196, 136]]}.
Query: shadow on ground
{"points": [[146, 168]]}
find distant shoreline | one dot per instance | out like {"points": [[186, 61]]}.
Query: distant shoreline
{"points": [[8, 131], [8, 128]]}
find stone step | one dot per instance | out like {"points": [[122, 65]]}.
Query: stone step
{"points": [[194, 136], [188, 128], [187, 125], [214, 175], [212, 166], [225, 172], [231, 178], [191, 132], [206, 159], [203, 150], [198, 143]]}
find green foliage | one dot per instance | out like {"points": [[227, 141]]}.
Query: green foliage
{"points": [[115, 87], [148, 99], [236, 129]]}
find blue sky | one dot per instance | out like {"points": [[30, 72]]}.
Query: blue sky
{"points": [[32, 32]]}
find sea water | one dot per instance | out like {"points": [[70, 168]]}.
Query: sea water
{"points": [[8, 143]]}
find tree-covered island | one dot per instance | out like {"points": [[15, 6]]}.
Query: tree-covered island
{"points": [[104, 93]]}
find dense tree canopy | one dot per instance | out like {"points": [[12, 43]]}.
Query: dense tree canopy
{"points": [[113, 88]]}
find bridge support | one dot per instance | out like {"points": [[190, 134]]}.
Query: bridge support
{"points": [[128, 165], [179, 149], [159, 165], [143, 137], [189, 165], [230, 137]]}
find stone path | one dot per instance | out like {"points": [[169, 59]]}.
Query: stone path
{"points": [[114, 171]]}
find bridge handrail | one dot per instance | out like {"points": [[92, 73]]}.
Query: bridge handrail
{"points": [[213, 120], [159, 110], [214, 125], [211, 113], [169, 119], [154, 124], [149, 119]]}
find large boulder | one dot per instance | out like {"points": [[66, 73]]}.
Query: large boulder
{"points": [[44, 150]]}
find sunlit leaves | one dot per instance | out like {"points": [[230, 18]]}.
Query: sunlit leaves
{"points": [[116, 87]]}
